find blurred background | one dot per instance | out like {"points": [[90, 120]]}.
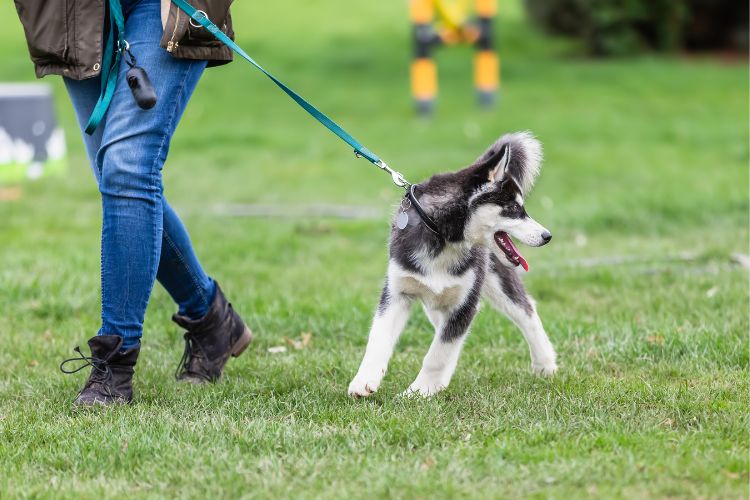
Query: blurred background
{"points": [[624, 95]]}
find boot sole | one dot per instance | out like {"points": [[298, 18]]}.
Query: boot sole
{"points": [[242, 343]]}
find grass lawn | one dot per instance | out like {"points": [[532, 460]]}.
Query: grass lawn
{"points": [[645, 187]]}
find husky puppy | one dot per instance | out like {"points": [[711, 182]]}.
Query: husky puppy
{"points": [[475, 211]]}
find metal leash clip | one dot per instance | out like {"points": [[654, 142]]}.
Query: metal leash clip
{"points": [[396, 177]]}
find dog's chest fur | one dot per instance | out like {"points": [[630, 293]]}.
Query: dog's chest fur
{"points": [[441, 281]]}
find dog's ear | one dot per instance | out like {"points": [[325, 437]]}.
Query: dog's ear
{"points": [[497, 173], [526, 162], [518, 155]]}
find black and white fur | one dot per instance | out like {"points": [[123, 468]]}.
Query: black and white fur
{"points": [[449, 273]]}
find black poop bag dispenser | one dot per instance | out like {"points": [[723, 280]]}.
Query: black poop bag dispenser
{"points": [[139, 83]]}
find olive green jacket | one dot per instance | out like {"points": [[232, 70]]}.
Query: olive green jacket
{"points": [[65, 36]]}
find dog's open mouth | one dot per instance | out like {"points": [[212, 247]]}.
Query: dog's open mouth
{"points": [[509, 249]]}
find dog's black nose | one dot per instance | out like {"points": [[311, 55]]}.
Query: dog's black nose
{"points": [[546, 236]]}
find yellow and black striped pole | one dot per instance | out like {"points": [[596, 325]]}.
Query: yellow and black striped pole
{"points": [[452, 28], [424, 85], [486, 60]]}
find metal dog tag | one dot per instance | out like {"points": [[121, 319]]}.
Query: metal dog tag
{"points": [[402, 220]]}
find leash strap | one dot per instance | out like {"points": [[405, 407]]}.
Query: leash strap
{"points": [[360, 150], [110, 64]]}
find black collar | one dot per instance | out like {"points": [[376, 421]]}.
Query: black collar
{"points": [[428, 222]]}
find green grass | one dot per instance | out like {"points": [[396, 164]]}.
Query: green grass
{"points": [[645, 159]]}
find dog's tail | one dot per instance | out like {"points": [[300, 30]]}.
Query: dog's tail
{"points": [[525, 160]]}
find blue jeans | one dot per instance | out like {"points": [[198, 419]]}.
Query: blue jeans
{"points": [[143, 239]]}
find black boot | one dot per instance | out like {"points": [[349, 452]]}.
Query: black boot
{"points": [[111, 378], [210, 341]]}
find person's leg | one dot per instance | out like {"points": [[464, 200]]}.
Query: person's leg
{"points": [[133, 148], [141, 234], [179, 270]]}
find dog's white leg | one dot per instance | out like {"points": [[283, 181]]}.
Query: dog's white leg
{"points": [[543, 356], [389, 322], [504, 290], [438, 366], [440, 362]]}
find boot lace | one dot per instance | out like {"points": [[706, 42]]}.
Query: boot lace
{"points": [[100, 372], [189, 354]]}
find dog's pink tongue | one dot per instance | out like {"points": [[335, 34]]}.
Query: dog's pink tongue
{"points": [[518, 255], [524, 264], [506, 245]]}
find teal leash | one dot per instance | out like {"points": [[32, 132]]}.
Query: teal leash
{"points": [[359, 150], [116, 44], [110, 64]]}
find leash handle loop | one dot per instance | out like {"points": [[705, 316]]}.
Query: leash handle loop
{"points": [[110, 64]]}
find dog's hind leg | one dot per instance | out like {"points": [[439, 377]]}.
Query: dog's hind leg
{"points": [[451, 328], [390, 319], [505, 291]]}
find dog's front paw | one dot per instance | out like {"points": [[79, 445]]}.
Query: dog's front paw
{"points": [[362, 387], [544, 368], [424, 388]]}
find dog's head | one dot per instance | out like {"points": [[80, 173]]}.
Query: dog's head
{"points": [[506, 173]]}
